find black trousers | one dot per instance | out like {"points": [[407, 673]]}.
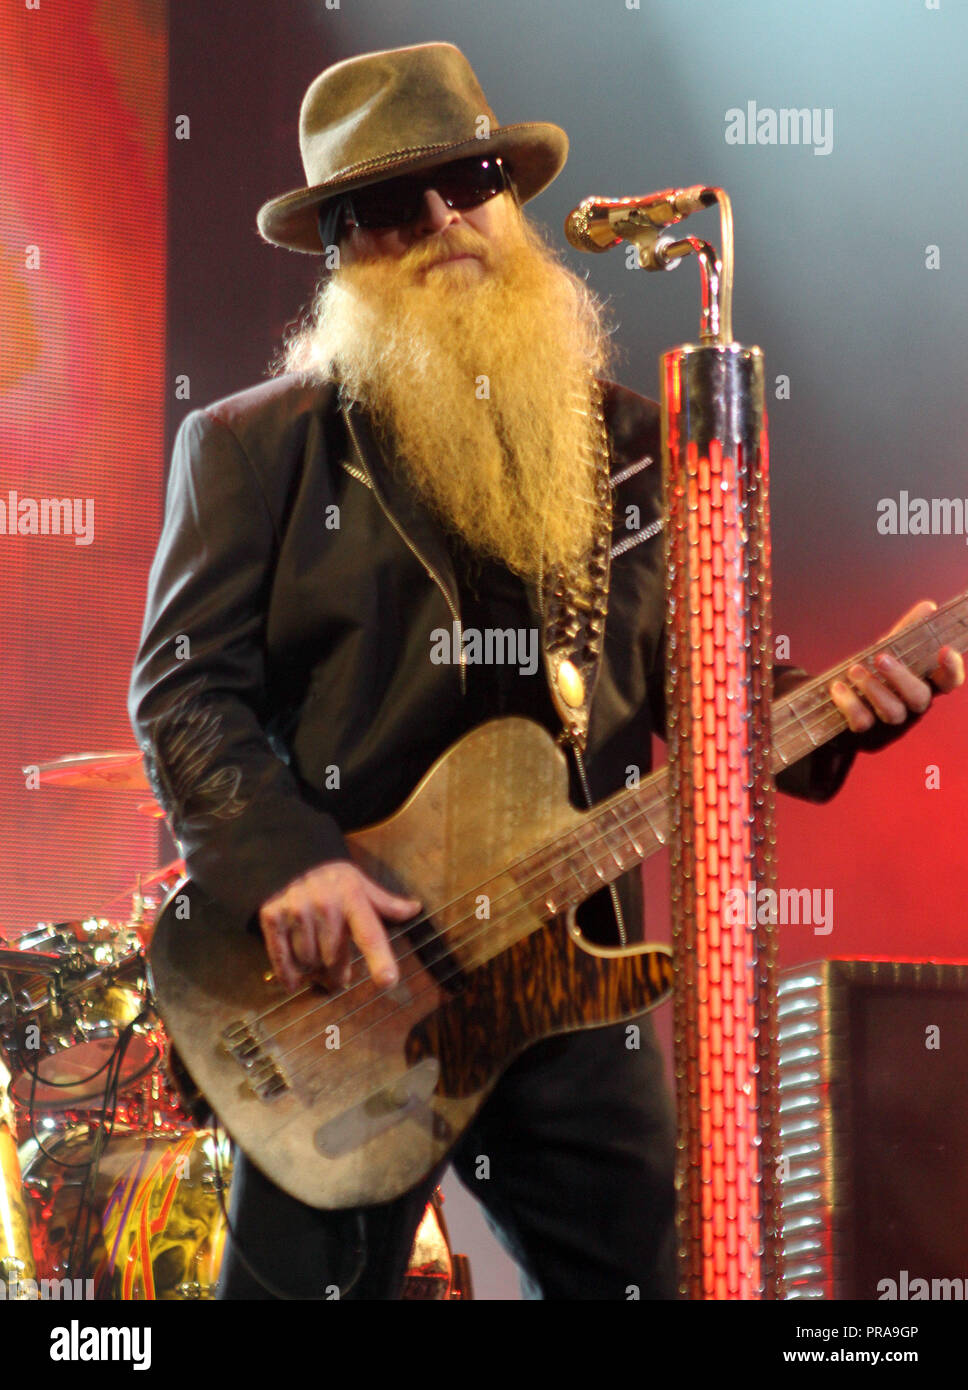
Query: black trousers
{"points": [[572, 1157]]}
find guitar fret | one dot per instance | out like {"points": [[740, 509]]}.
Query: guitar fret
{"points": [[660, 837], [540, 880], [796, 745], [951, 619], [584, 849], [806, 729], [570, 874], [639, 851], [635, 824], [930, 627], [636, 847], [778, 751], [781, 733], [543, 879], [555, 883], [621, 828]]}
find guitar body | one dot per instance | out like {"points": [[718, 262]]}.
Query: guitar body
{"points": [[349, 1098]]}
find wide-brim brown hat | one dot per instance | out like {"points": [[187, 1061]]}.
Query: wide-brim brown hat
{"points": [[397, 112]]}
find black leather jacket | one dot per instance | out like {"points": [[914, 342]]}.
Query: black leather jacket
{"points": [[282, 693]]}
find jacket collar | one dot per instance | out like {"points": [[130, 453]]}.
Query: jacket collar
{"points": [[416, 526]]}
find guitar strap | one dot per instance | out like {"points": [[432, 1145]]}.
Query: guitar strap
{"points": [[575, 606], [575, 609]]}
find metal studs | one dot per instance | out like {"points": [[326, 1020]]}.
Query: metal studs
{"points": [[571, 685]]}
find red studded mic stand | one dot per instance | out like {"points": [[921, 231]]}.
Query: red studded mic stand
{"points": [[718, 697]]}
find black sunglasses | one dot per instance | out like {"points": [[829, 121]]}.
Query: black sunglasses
{"points": [[465, 184]]}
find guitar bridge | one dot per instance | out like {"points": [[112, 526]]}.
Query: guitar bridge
{"points": [[263, 1075]]}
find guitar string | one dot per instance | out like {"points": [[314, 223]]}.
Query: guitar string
{"points": [[638, 811], [314, 1062], [640, 806], [526, 904], [791, 716]]}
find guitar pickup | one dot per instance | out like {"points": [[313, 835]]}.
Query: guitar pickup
{"points": [[239, 1040], [405, 1098], [267, 1081], [264, 1077]]}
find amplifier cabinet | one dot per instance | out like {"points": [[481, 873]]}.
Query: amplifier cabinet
{"points": [[873, 1086]]}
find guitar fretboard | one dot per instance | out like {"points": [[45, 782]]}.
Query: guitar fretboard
{"points": [[634, 824]]}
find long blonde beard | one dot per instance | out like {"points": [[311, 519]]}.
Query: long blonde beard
{"points": [[483, 386]]}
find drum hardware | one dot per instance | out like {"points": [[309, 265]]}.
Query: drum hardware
{"points": [[184, 1087], [29, 962], [122, 1185], [147, 894], [85, 1065], [67, 1024], [16, 1252], [132, 1197], [95, 1122], [151, 1106]]}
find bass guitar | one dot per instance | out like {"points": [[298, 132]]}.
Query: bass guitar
{"points": [[350, 1096]]}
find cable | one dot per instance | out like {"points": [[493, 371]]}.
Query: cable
{"points": [[105, 1122], [99, 1131]]}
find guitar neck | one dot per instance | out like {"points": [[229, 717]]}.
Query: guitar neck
{"points": [[634, 824]]}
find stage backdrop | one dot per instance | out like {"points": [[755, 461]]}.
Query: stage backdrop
{"points": [[851, 275], [83, 92]]}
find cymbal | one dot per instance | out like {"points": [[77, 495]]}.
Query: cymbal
{"points": [[165, 878], [95, 772]]}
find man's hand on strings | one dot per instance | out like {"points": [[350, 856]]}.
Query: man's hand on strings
{"points": [[309, 927], [895, 692]]}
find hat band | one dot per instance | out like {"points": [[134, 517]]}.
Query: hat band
{"points": [[365, 166]]}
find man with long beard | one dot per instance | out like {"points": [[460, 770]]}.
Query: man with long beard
{"points": [[473, 344], [442, 451]]}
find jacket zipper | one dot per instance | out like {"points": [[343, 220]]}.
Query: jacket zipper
{"points": [[455, 612], [646, 534], [358, 474]]}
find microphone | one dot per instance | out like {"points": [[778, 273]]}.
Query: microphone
{"points": [[598, 224]]}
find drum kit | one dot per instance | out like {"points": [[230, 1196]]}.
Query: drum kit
{"points": [[106, 1179]]}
